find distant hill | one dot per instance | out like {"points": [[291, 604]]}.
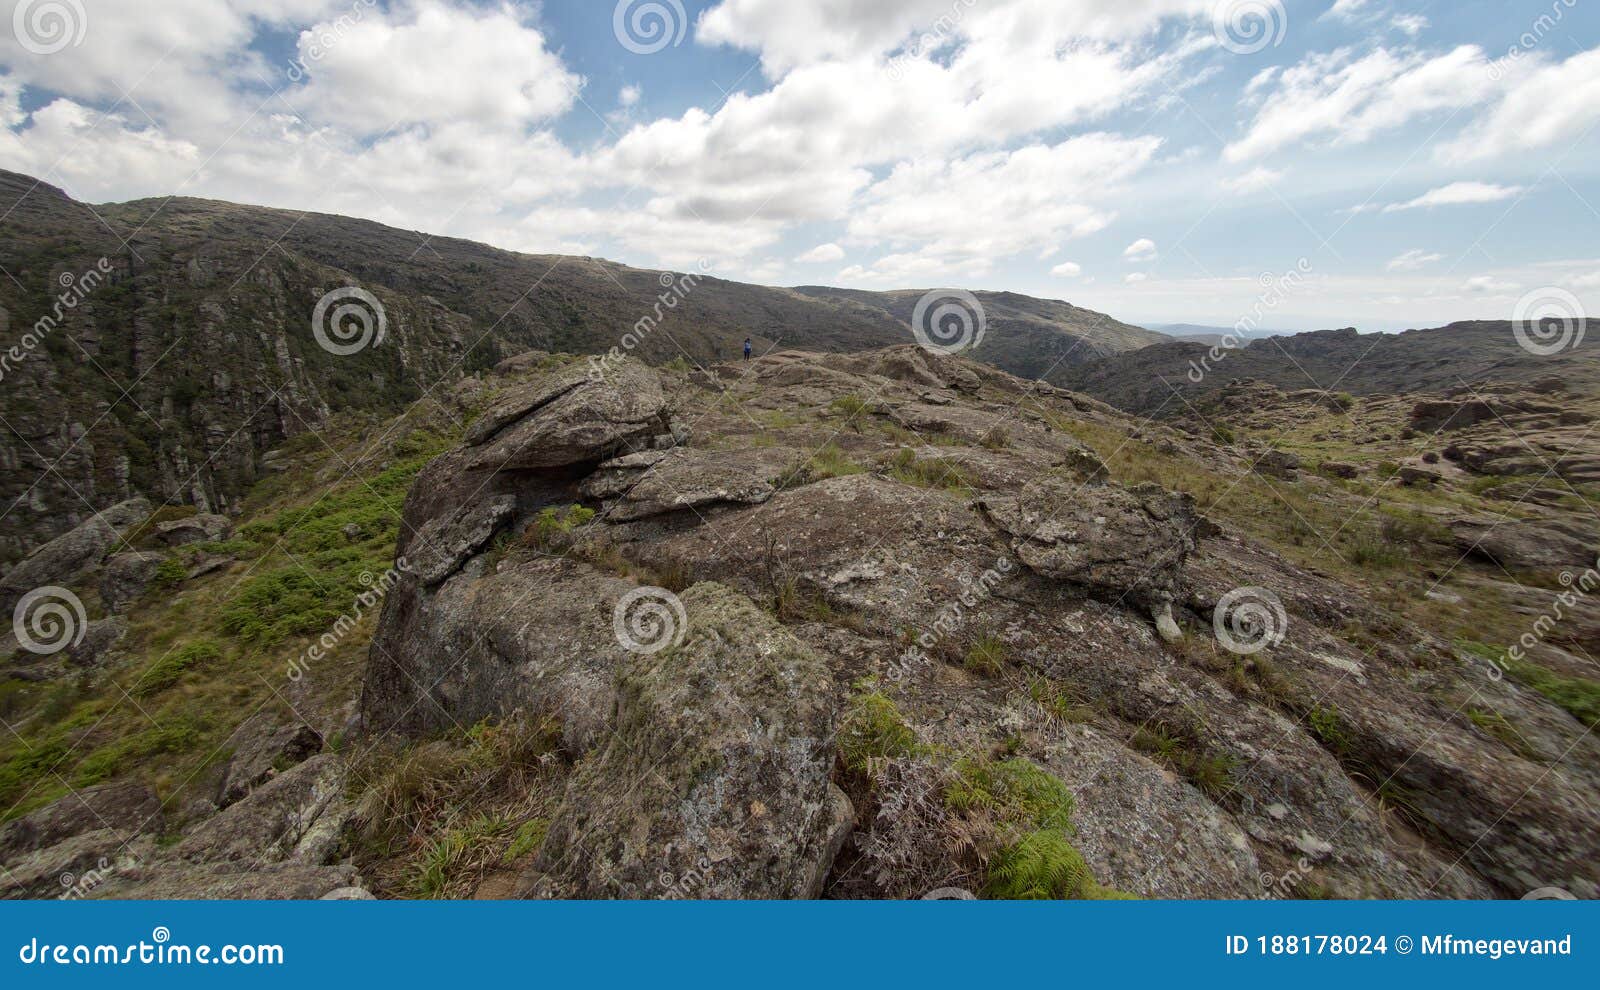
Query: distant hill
{"points": [[1151, 381], [1200, 333]]}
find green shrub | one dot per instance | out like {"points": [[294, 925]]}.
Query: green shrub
{"points": [[1042, 865], [169, 573], [177, 736], [1017, 792], [872, 730]]}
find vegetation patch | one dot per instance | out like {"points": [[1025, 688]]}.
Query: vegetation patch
{"points": [[873, 731], [929, 472], [170, 668]]}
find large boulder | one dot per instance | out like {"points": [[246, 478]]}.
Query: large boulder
{"points": [[296, 817], [126, 807], [715, 783], [262, 748], [1126, 543], [65, 558], [126, 576], [654, 483], [1530, 545], [200, 528], [585, 412]]}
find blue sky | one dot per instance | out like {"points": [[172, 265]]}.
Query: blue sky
{"points": [[1161, 160]]}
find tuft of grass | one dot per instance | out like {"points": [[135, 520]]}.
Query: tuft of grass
{"points": [[456, 852], [986, 656], [1327, 725], [929, 472], [873, 731], [551, 530], [1501, 728], [1212, 773], [1064, 703], [853, 408], [177, 736], [169, 573], [829, 462]]}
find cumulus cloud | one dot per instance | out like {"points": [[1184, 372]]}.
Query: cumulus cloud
{"points": [[1067, 269], [431, 64], [1143, 249], [1134, 278]]}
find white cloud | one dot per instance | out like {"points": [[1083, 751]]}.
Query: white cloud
{"points": [[1067, 269], [1544, 104], [1412, 260], [1457, 194], [1410, 24], [821, 254], [1253, 181], [1141, 250], [967, 213], [432, 64], [1347, 9], [1134, 278], [1347, 100], [629, 95], [789, 34]]}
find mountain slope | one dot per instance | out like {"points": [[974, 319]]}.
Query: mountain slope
{"points": [[184, 350]]}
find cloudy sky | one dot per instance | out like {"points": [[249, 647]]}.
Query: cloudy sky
{"points": [[1156, 159]]}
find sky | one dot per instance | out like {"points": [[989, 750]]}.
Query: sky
{"points": [[1382, 164]]}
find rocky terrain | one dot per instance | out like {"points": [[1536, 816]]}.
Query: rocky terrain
{"points": [[875, 624], [164, 348]]}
